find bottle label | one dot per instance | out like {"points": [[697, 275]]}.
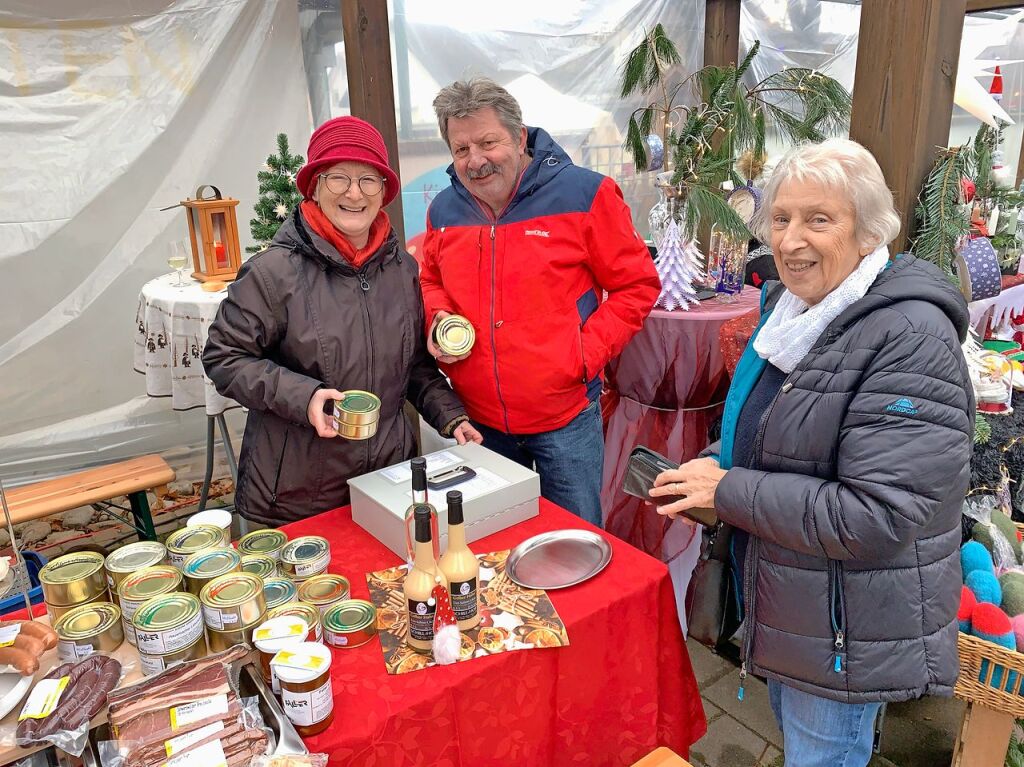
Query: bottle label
{"points": [[308, 708], [421, 620], [464, 599]]}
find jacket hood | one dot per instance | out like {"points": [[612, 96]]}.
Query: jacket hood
{"points": [[905, 278], [549, 159], [295, 235], [909, 278]]}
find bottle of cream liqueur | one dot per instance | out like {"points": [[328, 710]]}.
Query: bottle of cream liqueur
{"points": [[461, 567], [423, 576]]}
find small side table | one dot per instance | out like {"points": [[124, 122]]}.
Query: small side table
{"points": [[172, 324]]}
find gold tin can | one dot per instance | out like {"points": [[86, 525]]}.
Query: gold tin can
{"points": [[357, 408], [183, 543], [279, 591], [203, 566], [454, 335], [224, 640], [324, 590], [307, 612], [73, 579], [357, 432], [56, 612], [233, 601], [168, 623], [138, 588], [305, 557], [266, 542], [88, 629], [350, 623], [154, 664], [260, 565], [129, 559]]}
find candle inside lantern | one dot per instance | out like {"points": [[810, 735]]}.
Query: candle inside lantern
{"points": [[220, 253]]}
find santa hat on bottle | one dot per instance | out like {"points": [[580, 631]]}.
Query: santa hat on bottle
{"points": [[447, 639]]}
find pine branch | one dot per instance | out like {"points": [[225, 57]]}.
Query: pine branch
{"points": [[942, 223]]}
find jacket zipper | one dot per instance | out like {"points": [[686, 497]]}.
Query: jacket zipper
{"points": [[837, 612], [494, 342], [280, 463], [750, 569], [365, 288]]}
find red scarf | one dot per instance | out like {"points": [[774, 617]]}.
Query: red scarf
{"points": [[319, 223]]}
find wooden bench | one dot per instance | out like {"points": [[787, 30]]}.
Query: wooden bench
{"points": [[662, 757], [131, 478]]}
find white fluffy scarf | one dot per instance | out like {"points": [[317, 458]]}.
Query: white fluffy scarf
{"points": [[792, 328]]}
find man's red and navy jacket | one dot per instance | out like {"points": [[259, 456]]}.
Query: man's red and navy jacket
{"points": [[531, 281]]}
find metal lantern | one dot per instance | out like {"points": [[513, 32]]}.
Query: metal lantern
{"points": [[213, 233]]}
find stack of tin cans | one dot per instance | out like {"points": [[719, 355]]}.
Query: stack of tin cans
{"points": [[356, 414], [73, 580], [233, 606]]}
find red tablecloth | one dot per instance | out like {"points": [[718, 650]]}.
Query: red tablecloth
{"points": [[664, 391], [622, 688]]}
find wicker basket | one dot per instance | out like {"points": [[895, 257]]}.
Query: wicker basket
{"points": [[971, 687]]}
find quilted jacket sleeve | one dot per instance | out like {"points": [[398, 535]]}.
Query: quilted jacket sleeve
{"points": [[623, 267], [250, 322], [435, 298], [904, 447]]}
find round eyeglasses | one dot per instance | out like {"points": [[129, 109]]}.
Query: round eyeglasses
{"points": [[339, 183]]}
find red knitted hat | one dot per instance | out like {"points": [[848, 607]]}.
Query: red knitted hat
{"points": [[346, 139]]}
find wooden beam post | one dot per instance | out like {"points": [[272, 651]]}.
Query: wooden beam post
{"points": [[371, 91], [721, 32], [902, 104]]}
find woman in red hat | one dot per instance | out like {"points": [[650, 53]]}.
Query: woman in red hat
{"points": [[333, 304]]}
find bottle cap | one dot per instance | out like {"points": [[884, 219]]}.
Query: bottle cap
{"points": [[454, 499], [419, 474], [422, 514]]}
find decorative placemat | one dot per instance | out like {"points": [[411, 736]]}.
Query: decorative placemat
{"points": [[512, 618]]}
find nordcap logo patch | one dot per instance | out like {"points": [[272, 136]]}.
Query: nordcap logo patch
{"points": [[902, 406]]}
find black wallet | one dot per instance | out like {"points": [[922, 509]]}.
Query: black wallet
{"points": [[643, 468]]}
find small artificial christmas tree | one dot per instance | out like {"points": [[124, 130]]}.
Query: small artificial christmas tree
{"points": [[679, 265], [278, 194]]}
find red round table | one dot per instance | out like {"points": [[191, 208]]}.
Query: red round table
{"points": [[664, 392]]}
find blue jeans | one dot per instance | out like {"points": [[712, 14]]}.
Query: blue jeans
{"points": [[569, 460], [818, 732]]}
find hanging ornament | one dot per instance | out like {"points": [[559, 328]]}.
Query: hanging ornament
{"points": [[281, 210], [679, 265]]}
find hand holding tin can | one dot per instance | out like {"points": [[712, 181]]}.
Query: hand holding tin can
{"points": [[356, 414], [451, 337]]}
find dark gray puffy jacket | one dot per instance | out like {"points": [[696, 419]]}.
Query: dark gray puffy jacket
{"points": [[299, 317], [852, 577]]}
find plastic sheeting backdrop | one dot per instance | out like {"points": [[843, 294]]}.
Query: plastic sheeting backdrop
{"points": [[111, 114], [112, 110]]}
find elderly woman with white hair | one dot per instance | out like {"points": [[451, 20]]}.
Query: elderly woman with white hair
{"points": [[843, 462]]}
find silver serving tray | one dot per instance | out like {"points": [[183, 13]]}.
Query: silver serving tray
{"points": [[558, 559]]}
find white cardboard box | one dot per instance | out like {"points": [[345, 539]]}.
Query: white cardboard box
{"points": [[502, 494]]}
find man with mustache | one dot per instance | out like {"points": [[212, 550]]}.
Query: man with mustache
{"points": [[541, 256]]}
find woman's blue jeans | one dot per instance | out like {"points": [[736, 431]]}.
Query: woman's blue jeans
{"points": [[818, 732]]}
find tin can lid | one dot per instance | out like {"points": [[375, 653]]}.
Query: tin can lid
{"points": [[350, 616], [88, 620], [355, 401], [279, 633], [259, 564], [150, 582], [195, 538], [304, 610], [302, 663], [135, 556], [231, 589], [304, 549], [262, 541], [166, 611], [455, 335], [278, 591], [327, 587], [211, 562], [71, 567]]}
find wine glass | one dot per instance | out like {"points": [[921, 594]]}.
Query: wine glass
{"points": [[177, 258]]}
